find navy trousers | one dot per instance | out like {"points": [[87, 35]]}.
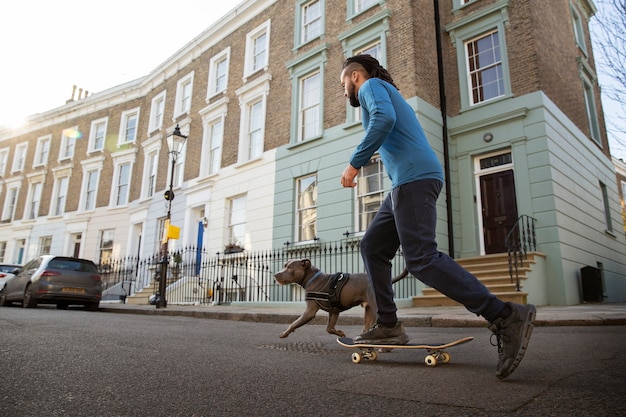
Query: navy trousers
{"points": [[408, 218]]}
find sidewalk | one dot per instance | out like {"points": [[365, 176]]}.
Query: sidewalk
{"points": [[605, 314]]}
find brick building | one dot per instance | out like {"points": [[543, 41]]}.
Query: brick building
{"points": [[269, 133]]}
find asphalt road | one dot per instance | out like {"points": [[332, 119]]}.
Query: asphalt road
{"points": [[78, 363]]}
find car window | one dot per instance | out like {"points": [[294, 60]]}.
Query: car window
{"points": [[72, 265]]}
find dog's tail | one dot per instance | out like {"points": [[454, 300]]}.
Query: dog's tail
{"points": [[402, 275]]}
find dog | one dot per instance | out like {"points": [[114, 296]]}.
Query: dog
{"points": [[331, 293]]}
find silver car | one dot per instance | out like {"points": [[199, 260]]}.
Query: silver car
{"points": [[8, 271], [59, 280]]}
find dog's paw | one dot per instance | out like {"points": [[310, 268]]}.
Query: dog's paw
{"points": [[284, 334]]}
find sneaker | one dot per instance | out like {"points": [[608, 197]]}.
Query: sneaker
{"points": [[513, 335], [383, 335]]}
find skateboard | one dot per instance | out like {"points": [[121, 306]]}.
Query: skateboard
{"points": [[436, 353]]}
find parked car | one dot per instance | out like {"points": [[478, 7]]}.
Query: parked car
{"points": [[8, 271], [59, 280]]}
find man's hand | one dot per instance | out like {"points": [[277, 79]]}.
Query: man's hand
{"points": [[348, 176]]}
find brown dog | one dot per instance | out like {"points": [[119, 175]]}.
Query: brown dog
{"points": [[355, 291]]}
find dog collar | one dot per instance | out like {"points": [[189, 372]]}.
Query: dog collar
{"points": [[317, 274]]}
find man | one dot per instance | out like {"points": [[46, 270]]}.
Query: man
{"points": [[408, 217]]}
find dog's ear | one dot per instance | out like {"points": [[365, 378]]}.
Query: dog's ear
{"points": [[306, 263]]}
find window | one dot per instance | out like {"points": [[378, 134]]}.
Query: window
{"points": [[105, 245], [486, 80], [579, 33], [592, 112], [215, 132], [42, 151], [254, 135], [306, 210], [358, 6], [128, 127], [369, 193], [97, 134], [480, 42], [311, 25], [60, 196], [218, 73], [10, 202], [310, 120], [184, 91], [157, 109], [45, 243], [123, 184], [307, 75], [4, 158], [257, 49], [19, 159], [3, 251], [607, 207], [68, 142], [152, 165], [237, 221], [34, 200], [90, 189], [252, 99]]}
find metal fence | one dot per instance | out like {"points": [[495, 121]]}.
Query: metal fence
{"points": [[195, 277]]}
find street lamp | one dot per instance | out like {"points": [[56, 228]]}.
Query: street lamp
{"points": [[175, 143]]}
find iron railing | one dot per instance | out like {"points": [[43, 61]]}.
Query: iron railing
{"points": [[196, 277], [520, 240]]}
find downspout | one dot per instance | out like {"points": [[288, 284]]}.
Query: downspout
{"points": [[444, 128]]}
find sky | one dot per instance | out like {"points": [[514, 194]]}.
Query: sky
{"points": [[46, 46], [49, 46]]}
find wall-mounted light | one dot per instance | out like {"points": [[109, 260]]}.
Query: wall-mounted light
{"points": [[488, 137]]}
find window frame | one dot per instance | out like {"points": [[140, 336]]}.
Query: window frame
{"points": [[124, 138], [42, 151], [359, 197], [232, 238], [92, 168], [492, 18], [157, 112], [250, 66], [19, 157], [94, 138], [299, 231], [249, 95], [354, 10], [184, 97], [214, 74]]}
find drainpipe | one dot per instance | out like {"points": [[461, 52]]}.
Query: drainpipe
{"points": [[444, 133]]}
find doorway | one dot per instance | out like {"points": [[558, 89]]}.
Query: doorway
{"points": [[498, 202]]}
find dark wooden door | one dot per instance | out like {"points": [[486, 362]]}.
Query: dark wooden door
{"points": [[499, 206]]}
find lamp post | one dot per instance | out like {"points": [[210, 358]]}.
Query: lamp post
{"points": [[175, 143]]}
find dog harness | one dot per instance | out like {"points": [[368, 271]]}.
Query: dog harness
{"points": [[329, 296]]}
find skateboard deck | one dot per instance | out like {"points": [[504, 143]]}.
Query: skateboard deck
{"points": [[436, 353]]}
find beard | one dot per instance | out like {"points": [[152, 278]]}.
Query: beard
{"points": [[353, 99]]}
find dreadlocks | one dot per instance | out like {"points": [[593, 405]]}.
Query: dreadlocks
{"points": [[371, 66]]}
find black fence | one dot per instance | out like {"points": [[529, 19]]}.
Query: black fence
{"points": [[196, 277]]}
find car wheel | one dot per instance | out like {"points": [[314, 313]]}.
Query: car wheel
{"points": [[3, 297], [62, 306], [92, 306], [27, 301]]}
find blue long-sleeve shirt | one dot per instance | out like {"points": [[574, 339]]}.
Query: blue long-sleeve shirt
{"points": [[392, 129]]}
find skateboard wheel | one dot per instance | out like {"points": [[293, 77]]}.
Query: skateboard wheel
{"points": [[444, 357], [372, 355], [430, 360], [356, 357]]}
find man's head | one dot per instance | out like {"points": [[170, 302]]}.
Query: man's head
{"points": [[358, 69]]}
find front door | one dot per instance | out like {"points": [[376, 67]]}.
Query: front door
{"points": [[499, 209]]}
